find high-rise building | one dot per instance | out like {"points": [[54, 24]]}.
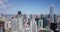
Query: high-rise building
{"points": [[53, 25], [24, 18], [20, 23], [52, 13], [17, 23], [55, 19], [2, 29], [19, 13], [2, 23], [14, 27], [33, 25], [36, 19], [45, 20], [40, 23]]}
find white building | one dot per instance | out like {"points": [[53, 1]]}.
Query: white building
{"points": [[20, 23], [7, 25], [33, 25], [52, 13], [14, 27]]}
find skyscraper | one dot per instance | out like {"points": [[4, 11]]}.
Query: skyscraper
{"points": [[36, 19], [53, 25], [19, 12], [2, 24], [20, 23], [40, 23], [24, 18], [45, 21], [16, 24], [52, 13], [14, 27], [33, 25]]}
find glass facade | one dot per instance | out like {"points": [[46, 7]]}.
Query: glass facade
{"points": [[40, 23]]}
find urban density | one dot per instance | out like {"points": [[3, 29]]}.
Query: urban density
{"points": [[29, 15], [30, 23]]}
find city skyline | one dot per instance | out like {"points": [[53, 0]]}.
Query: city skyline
{"points": [[29, 6]]}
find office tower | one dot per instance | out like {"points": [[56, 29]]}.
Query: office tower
{"points": [[29, 21], [20, 21], [20, 24], [48, 19], [33, 25], [55, 19], [16, 24], [41, 15], [14, 27], [2, 29], [19, 13], [8, 26], [2, 23], [45, 21], [48, 16], [36, 19], [24, 18], [53, 25], [52, 13], [40, 23]]}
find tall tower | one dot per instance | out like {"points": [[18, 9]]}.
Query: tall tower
{"points": [[19, 12], [20, 21], [53, 25], [14, 27], [33, 25], [52, 13], [16, 24], [40, 23]]}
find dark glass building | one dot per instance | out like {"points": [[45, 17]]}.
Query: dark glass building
{"points": [[19, 13], [45, 22]]}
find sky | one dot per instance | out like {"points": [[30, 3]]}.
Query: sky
{"points": [[29, 6]]}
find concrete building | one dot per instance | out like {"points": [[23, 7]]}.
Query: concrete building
{"points": [[2, 23], [2, 28], [14, 27], [20, 24], [33, 25], [24, 18], [17, 23]]}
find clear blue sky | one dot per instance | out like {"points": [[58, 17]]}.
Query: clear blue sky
{"points": [[33, 6]]}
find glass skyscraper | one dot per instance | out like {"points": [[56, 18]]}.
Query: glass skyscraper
{"points": [[52, 13], [40, 23]]}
